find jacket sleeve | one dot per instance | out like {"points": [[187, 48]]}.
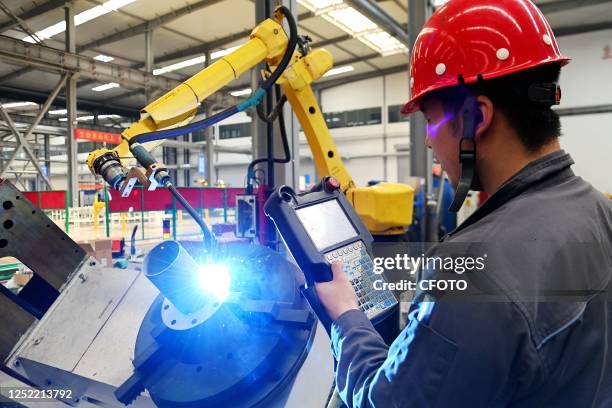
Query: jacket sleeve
{"points": [[449, 354]]}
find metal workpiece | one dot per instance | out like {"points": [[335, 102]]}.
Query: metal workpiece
{"points": [[84, 342], [109, 336], [248, 349], [27, 234], [57, 352], [175, 273]]}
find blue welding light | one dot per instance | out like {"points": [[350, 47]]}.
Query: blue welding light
{"points": [[215, 280]]}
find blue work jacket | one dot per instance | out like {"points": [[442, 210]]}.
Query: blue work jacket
{"points": [[519, 349]]}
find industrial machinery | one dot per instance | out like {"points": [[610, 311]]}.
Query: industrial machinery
{"points": [[188, 331], [385, 208], [246, 216], [202, 325]]}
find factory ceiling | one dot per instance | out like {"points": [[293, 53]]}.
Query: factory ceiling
{"points": [[184, 31]]}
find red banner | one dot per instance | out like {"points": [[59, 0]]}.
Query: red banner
{"points": [[161, 199], [48, 200], [97, 136]]}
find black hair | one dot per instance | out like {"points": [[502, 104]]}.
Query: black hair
{"points": [[535, 122]]}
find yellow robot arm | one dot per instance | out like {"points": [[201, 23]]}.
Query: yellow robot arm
{"points": [[385, 208], [267, 43]]}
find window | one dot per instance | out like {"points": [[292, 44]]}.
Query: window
{"points": [[199, 136], [395, 116], [88, 147], [358, 117], [235, 131]]}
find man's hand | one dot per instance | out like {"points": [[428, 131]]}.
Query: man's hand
{"points": [[337, 296]]}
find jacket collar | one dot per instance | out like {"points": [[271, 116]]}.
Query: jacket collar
{"points": [[554, 164]]}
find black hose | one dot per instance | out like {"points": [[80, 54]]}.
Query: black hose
{"points": [[293, 41], [283, 132], [275, 112], [182, 130], [209, 238]]}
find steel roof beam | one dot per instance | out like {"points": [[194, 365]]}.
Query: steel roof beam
{"points": [[35, 12], [53, 60], [60, 101], [147, 25], [564, 5]]}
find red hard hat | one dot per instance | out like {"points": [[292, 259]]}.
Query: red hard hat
{"points": [[489, 38]]}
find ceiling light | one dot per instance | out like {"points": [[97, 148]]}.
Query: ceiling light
{"points": [[82, 118], [356, 24], [317, 6], [18, 104], [81, 18], [63, 119], [351, 20], [105, 87], [242, 92], [108, 116], [58, 112], [179, 65], [103, 58], [47, 32], [98, 11], [194, 61], [223, 53], [339, 70], [383, 42], [439, 3]]}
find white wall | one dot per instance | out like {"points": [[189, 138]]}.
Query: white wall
{"points": [[352, 142], [588, 139], [587, 81], [369, 140], [233, 166]]}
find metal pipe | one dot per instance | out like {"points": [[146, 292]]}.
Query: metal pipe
{"points": [[71, 107], [175, 273]]}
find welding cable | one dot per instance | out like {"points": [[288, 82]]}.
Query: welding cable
{"points": [[209, 238], [278, 112], [254, 100], [270, 118]]}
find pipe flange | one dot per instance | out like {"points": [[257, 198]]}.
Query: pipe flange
{"points": [[176, 320]]}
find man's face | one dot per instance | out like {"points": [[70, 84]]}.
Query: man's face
{"points": [[443, 138]]}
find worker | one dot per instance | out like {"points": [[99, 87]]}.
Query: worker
{"points": [[484, 74]]}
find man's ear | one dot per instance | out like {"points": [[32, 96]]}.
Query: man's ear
{"points": [[484, 114]]}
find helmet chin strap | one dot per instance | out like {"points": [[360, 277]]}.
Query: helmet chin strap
{"points": [[467, 155]]}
